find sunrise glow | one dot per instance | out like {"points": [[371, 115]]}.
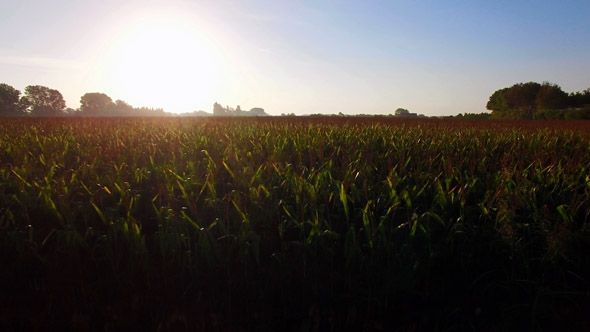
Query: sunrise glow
{"points": [[163, 62]]}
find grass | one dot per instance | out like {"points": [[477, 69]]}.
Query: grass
{"points": [[298, 224]]}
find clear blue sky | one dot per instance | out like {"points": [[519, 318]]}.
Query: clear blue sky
{"points": [[431, 57]]}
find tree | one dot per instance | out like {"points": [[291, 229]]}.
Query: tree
{"points": [[579, 99], [551, 97], [95, 104], [517, 101], [524, 97], [10, 101], [534, 100], [122, 108], [497, 102], [401, 112], [43, 101]]}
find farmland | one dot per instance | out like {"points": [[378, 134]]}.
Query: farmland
{"points": [[303, 224]]}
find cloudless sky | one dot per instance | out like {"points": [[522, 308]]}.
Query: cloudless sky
{"points": [[431, 57]]}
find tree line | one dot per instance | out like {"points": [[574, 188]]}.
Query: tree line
{"points": [[522, 100], [219, 110], [539, 101], [41, 101]]}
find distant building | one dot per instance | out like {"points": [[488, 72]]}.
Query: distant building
{"points": [[219, 110], [257, 111]]}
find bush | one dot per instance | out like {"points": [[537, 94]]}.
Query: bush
{"points": [[579, 114], [550, 115]]}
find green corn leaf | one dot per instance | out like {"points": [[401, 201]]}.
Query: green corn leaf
{"points": [[344, 200]]}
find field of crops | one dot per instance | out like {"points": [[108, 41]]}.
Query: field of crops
{"points": [[297, 224]]}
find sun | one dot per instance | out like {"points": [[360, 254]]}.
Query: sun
{"points": [[164, 62]]}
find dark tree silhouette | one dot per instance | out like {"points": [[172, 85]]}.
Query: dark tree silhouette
{"points": [[539, 101], [579, 99], [10, 104], [401, 111], [121, 108], [95, 104], [551, 97], [42, 101], [517, 101]]}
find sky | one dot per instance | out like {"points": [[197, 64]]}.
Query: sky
{"points": [[303, 57]]}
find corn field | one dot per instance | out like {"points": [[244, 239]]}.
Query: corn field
{"points": [[296, 224]]}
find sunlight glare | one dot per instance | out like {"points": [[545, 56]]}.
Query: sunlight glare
{"points": [[164, 63]]}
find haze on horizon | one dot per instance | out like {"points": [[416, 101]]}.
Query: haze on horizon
{"points": [[431, 57]]}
